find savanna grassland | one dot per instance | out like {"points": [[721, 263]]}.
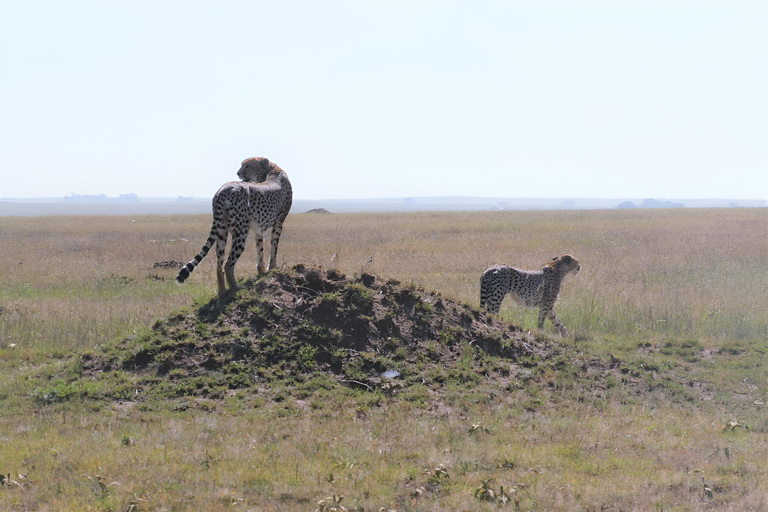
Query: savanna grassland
{"points": [[656, 402]]}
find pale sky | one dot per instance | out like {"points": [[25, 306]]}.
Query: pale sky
{"points": [[364, 99]]}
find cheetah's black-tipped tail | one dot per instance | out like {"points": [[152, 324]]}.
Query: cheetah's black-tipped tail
{"points": [[183, 274], [189, 267]]}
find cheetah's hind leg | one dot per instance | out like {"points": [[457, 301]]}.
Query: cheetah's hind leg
{"points": [[221, 244], [239, 236]]}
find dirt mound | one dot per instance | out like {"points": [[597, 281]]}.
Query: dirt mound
{"points": [[305, 321], [302, 331]]}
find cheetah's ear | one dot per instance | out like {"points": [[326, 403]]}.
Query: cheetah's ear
{"points": [[555, 258]]}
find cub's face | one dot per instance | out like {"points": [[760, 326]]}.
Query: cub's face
{"points": [[568, 264]]}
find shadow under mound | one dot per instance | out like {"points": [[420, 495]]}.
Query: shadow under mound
{"points": [[295, 324]]}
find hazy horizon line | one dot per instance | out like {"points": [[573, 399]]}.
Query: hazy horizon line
{"points": [[393, 198]]}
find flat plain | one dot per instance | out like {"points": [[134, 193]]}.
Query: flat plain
{"points": [[656, 402]]}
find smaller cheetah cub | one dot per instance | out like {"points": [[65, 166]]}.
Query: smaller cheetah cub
{"points": [[530, 288]]}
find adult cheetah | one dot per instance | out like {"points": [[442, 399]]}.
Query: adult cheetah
{"points": [[262, 201], [531, 288]]}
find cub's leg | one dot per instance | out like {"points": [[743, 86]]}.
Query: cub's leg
{"points": [[494, 286], [549, 313], [493, 303]]}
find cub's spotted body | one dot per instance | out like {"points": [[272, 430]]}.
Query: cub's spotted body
{"points": [[262, 201], [530, 288]]}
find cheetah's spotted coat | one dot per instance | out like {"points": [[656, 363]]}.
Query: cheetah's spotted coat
{"points": [[262, 201], [529, 288]]}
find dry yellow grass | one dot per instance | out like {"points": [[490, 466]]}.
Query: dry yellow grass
{"points": [[70, 283], [678, 272]]}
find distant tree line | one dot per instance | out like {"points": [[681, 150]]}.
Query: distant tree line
{"points": [[101, 198], [651, 203]]}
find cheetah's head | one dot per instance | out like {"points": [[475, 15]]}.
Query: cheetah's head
{"points": [[566, 264], [255, 169]]}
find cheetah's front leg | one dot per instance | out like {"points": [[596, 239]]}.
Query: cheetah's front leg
{"points": [[259, 253], [261, 265], [276, 232], [550, 314]]}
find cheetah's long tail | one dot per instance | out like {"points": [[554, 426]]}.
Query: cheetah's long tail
{"points": [[189, 267]]}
